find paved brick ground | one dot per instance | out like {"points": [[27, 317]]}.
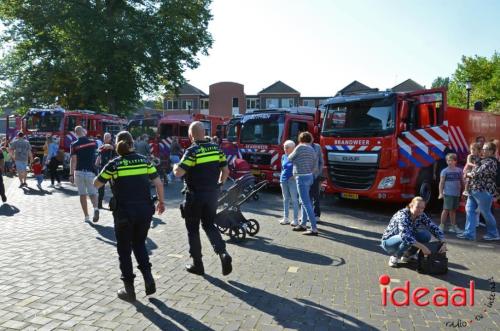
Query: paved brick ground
{"points": [[58, 272]]}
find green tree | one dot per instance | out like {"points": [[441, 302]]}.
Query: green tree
{"points": [[98, 54], [484, 75], [441, 82]]}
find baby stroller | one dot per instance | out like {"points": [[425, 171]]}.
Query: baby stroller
{"points": [[229, 218]]}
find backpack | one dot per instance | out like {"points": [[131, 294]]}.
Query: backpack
{"points": [[434, 264]]}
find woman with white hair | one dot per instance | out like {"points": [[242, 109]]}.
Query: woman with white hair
{"points": [[288, 186]]}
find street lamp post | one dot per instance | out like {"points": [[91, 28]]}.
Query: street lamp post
{"points": [[468, 87]]}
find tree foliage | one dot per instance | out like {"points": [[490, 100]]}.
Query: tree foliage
{"points": [[484, 75], [441, 82], [98, 54]]}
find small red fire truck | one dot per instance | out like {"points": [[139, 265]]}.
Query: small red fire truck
{"points": [[391, 146], [262, 134]]}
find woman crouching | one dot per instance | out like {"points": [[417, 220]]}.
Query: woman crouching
{"points": [[408, 231]]}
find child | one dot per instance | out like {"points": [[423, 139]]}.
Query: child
{"points": [[472, 159], [37, 171], [450, 186]]}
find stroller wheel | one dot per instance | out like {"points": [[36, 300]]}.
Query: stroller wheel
{"points": [[256, 197], [221, 229], [237, 233], [253, 227]]}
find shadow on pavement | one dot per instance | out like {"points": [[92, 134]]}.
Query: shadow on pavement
{"points": [[356, 242], [264, 245], [65, 191], [155, 222], [107, 236], [8, 210], [31, 191], [303, 316], [353, 230], [454, 277], [162, 323]]}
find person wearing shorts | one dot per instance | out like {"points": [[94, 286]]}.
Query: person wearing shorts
{"points": [[82, 171], [21, 152], [450, 188]]}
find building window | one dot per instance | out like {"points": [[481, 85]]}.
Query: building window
{"points": [[287, 102], [187, 104], [252, 103], [235, 103], [272, 103], [204, 104], [308, 103]]}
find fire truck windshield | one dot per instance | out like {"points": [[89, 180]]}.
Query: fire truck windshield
{"points": [[44, 121], [372, 118], [262, 130]]}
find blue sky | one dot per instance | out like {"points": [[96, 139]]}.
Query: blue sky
{"points": [[319, 46]]}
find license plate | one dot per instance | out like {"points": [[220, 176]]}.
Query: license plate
{"points": [[352, 196], [255, 172]]}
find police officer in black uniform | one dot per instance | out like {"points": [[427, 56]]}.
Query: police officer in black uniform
{"points": [[133, 208], [204, 168]]}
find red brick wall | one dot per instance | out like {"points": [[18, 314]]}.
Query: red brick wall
{"points": [[221, 98]]}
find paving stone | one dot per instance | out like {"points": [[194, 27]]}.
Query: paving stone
{"points": [[70, 272]]}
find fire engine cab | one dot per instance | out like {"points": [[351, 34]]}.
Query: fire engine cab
{"points": [[391, 146], [262, 134], [38, 123]]}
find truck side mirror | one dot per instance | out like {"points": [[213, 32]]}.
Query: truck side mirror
{"points": [[403, 115]]}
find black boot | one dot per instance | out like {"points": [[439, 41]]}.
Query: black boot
{"points": [[226, 260], [196, 268], [128, 292], [149, 282], [99, 204]]}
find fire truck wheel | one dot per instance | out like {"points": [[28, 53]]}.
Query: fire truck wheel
{"points": [[424, 188]]}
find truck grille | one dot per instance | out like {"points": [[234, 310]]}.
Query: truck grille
{"points": [[37, 143], [352, 176], [257, 158]]}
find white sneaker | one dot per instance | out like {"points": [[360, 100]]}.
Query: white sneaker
{"points": [[455, 229], [393, 261], [406, 259], [87, 218], [294, 223], [51, 185], [284, 222], [58, 185], [490, 238]]}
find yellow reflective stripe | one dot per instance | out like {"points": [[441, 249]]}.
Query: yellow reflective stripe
{"points": [[105, 175], [206, 154], [132, 172], [222, 157], [187, 162], [206, 159], [151, 170], [133, 166]]}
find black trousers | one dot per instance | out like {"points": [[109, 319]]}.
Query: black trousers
{"points": [[132, 223], [101, 194], [314, 193], [54, 175], [2, 187], [202, 206]]}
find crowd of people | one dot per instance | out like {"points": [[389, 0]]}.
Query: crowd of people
{"points": [[129, 166], [410, 228]]}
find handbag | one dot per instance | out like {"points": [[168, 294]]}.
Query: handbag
{"points": [[435, 263]]}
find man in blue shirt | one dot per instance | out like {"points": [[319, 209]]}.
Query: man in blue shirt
{"points": [[82, 171]]}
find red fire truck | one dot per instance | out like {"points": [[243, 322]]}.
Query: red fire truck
{"points": [[391, 146], [171, 126], [12, 126], [37, 124], [263, 133]]}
